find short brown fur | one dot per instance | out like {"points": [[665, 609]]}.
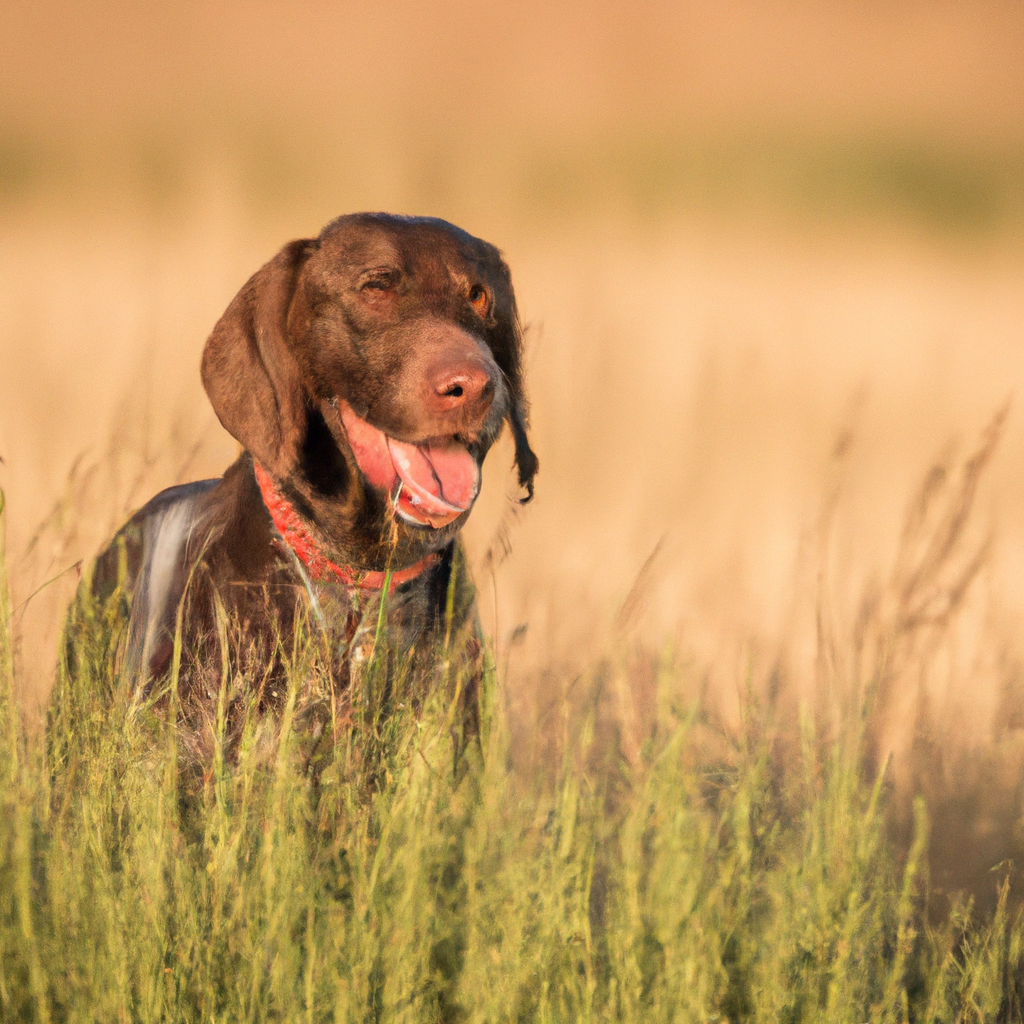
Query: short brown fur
{"points": [[369, 313]]}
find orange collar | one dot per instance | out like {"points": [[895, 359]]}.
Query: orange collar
{"points": [[320, 567]]}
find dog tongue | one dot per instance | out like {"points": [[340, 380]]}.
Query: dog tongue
{"points": [[442, 480], [439, 482], [370, 447]]}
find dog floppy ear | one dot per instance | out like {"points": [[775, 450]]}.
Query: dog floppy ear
{"points": [[248, 369], [506, 338], [526, 459]]}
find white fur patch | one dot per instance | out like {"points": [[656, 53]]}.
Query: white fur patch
{"points": [[164, 539]]}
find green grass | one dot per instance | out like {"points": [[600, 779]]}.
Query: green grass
{"points": [[417, 875]]}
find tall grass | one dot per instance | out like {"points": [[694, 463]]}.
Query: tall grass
{"points": [[413, 874]]}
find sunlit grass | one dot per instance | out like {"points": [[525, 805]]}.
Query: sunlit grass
{"points": [[413, 872]]}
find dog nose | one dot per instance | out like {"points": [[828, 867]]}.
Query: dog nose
{"points": [[464, 387]]}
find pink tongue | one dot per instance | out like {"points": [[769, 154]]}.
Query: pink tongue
{"points": [[440, 479], [370, 447], [438, 482]]}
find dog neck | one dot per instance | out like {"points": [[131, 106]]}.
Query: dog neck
{"points": [[298, 537]]}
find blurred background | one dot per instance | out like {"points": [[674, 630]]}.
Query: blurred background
{"points": [[769, 255]]}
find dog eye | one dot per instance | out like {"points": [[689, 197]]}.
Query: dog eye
{"points": [[479, 299], [382, 280]]}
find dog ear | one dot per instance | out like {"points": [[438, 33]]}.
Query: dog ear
{"points": [[506, 339], [248, 369], [526, 460]]}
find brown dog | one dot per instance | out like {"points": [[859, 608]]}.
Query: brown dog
{"points": [[366, 373]]}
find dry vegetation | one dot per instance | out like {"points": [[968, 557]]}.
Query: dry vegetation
{"points": [[770, 264], [634, 855]]}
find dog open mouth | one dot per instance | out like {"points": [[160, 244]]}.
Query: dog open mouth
{"points": [[439, 479]]}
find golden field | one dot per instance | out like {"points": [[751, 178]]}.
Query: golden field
{"points": [[770, 262]]}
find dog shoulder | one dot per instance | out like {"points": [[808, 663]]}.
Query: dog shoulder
{"points": [[149, 539]]}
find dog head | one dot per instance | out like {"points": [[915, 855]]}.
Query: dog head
{"points": [[369, 370]]}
